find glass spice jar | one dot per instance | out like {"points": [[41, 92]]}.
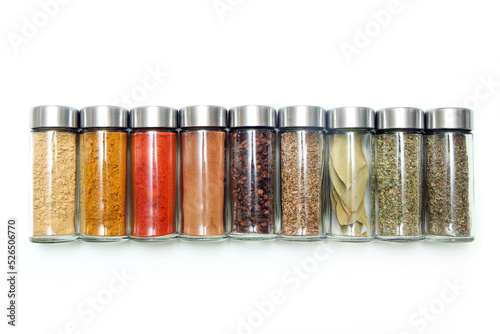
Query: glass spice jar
{"points": [[350, 173], [252, 172], [53, 143], [103, 173], [203, 172], [153, 150], [301, 172], [399, 169], [449, 175]]}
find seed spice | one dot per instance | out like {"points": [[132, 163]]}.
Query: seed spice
{"points": [[399, 184], [54, 183], [252, 181], [448, 185], [301, 177]]}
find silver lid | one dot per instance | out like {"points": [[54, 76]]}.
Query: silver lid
{"points": [[301, 116], [252, 115], [53, 117], [104, 117], [350, 118], [400, 118], [153, 117], [448, 118], [202, 116]]}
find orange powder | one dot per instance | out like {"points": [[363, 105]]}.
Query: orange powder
{"points": [[203, 164]]}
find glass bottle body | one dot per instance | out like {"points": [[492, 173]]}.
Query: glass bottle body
{"points": [[449, 186], [350, 182], [301, 180], [53, 192], [103, 184], [399, 201], [153, 184], [203, 184], [252, 183]]}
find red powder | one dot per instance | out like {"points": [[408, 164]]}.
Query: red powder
{"points": [[153, 161]]}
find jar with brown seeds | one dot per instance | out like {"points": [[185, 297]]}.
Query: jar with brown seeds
{"points": [[302, 172], [350, 170], [399, 203], [449, 175], [252, 172], [53, 142]]}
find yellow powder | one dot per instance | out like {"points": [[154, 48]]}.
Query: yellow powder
{"points": [[103, 183]]}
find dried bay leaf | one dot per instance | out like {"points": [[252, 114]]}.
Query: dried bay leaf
{"points": [[349, 175], [348, 157], [344, 229], [352, 197]]}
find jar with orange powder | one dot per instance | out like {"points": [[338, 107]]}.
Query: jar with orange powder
{"points": [[103, 173], [203, 172]]}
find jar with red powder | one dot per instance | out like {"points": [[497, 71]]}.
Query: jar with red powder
{"points": [[153, 150]]}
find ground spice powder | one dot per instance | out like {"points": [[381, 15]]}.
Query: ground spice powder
{"points": [[203, 182], [54, 183], [103, 183], [153, 161]]}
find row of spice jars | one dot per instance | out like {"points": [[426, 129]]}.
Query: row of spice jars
{"points": [[361, 172]]}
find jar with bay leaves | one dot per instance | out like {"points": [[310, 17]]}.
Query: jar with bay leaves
{"points": [[399, 170], [53, 145], [103, 173], [252, 172], [449, 174], [350, 174], [301, 172]]}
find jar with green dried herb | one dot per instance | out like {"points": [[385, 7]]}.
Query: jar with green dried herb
{"points": [[399, 202], [350, 173], [301, 172], [252, 156], [449, 174]]}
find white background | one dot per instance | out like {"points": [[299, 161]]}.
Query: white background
{"points": [[426, 54]]}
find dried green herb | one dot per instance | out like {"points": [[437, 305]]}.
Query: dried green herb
{"points": [[399, 184], [349, 173], [447, 174]]}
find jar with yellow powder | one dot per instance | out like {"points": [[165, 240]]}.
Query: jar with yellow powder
{"points": [[54, 138], [103, 173]]}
